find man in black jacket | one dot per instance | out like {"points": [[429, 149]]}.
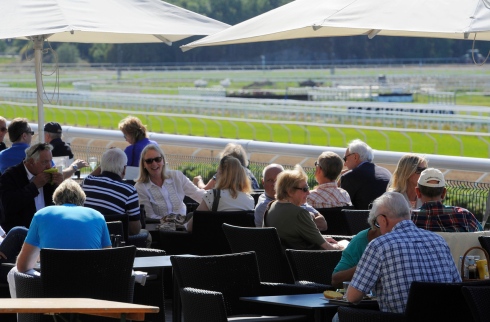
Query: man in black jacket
{"points": [[364, 181], [26, 188]]}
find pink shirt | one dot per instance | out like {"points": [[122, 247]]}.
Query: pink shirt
{"points": [[328, 195]]}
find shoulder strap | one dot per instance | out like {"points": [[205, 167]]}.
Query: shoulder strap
{"points": [[216, 195]]}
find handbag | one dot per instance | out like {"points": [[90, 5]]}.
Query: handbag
{"points": [[463, 258], [216, 195]]}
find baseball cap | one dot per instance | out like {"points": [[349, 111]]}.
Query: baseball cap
{"points": [[432, 174], [52, 127]]}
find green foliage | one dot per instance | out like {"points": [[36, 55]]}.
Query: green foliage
{"points": [[99, 52], [68, 53]]}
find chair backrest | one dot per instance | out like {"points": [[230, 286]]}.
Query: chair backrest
{"points": [[484, 242], [233, 275], [208, 236], [124, 218], [93, 273], [306, 263], [478, 298], [115, 228], [335, 221], [356, 220], [265, 242], [429, 301], [202, 305]]}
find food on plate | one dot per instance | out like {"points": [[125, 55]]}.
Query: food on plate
{"points": [[333, 295]]}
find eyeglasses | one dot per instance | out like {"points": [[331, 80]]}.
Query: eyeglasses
{"points": [[3, 129], [30, 132], [419, 170], [305, 189], [157, 160], [348, 155], [40, 147], [376, 220], [317, 164]]}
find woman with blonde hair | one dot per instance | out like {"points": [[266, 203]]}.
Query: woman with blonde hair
{"points": [[405, 177], [160, 190], [233, 186], [135, 134], [294, 224]]}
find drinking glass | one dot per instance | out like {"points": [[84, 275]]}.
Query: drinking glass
{"points": [[92, 161]]}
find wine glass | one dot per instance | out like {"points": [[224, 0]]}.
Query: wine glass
{"points": [[92, 161]]}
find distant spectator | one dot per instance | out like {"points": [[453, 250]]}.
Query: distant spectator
{"points": [[135, 134], [269, 178], [20, 134], [3, 131], [327, 194], [364, 181], [435, 216], [405, 177], [293, 223], [236, 151]]}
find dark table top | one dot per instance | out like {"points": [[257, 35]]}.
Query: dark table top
{"points": [[308, 301]]}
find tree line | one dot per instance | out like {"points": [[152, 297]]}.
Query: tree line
{"points": [[236, 11]]}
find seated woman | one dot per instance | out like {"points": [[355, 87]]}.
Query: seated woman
{"points": [[162, 191], [236, 151], [234, 188], [405, 177], [293, 223], [135, 134]]}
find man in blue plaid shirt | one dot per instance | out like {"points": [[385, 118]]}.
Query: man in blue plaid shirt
{"points": [[435, 216], [402, 254]]}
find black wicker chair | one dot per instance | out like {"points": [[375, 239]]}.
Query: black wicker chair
{"points": [[314, 265], [335, 220], [138, 240], [478, 298], [356, 220], [353, 314], [265, 242], [152, 293], [234, 276], [485, 242], [92, 273], [29, 286]]}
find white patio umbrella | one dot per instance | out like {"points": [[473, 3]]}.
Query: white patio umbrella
{"points": [[98, 21], [456, 19]]}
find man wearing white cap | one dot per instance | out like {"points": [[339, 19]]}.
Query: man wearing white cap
{"points": [[435, 216]]}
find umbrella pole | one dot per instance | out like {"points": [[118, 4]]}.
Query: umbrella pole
{"points": [[38, 60]]}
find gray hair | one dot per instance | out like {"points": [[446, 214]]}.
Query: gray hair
{"points": [[33, 151], [365, 152], [272, 166], [113, 160], [69, 191], [395, 205]]}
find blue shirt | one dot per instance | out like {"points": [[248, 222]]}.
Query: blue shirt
{"points": [[12, 156], [133, 152], [68, 227], [394, 260]]}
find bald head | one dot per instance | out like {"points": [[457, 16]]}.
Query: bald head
{"points": [[269, 176]]}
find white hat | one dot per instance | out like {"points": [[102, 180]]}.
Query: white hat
{"points": [[432, 174]]}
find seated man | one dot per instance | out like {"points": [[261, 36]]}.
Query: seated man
{"points": [[435, 216], [67, 225], [402, 254], [109, 194], [25, 188], [327, 194], [20, 134], [269, 177]]}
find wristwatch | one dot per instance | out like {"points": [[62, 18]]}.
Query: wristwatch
{"points": [[74, 166]]}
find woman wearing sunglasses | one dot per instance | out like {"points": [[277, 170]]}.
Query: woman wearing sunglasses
{"points": [[294, 224], [160, 190], [405, 177]]}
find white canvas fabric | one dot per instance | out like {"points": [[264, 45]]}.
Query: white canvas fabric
{"points": [[327, 18]]}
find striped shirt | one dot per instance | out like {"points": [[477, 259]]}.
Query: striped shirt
{"points": [[328, 195], [394, 260], [435, 216], [108, 194]]}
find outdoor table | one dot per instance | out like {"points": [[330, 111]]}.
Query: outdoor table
{"points": [[113, 309]]}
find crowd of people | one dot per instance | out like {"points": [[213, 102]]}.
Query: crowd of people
{"points": [[404, 208]]}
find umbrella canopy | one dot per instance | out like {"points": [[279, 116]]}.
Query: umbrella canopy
{"points": [[454, 19], [97, 21]]}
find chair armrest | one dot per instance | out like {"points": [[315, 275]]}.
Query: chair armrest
{"points": [[202, 305], [28, 286], [285, 289]]}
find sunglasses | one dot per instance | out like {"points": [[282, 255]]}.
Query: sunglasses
{"points": [[305, 189], [317, 164], [348, 155], [157, 160], [3, 129], [30, 132], [376, 220], [419, 170], [40, 147]]}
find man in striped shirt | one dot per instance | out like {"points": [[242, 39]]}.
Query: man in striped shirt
{"points": [[327, 194], [109, 194], [435, 216]]}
